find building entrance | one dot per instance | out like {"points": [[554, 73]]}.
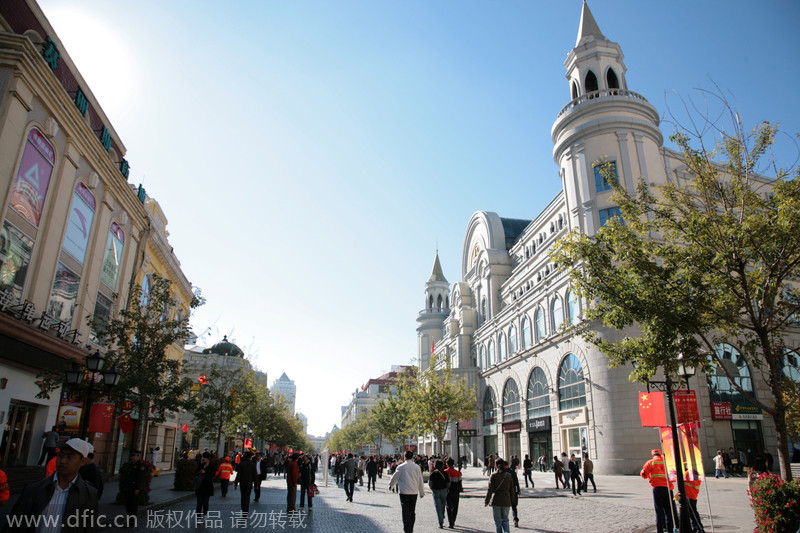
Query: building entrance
{"points": [[747, 435], [513, 446], [540, 443], [16, 442]]}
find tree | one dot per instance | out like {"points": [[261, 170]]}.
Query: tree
{"points": [[436, 398], [137, 341], [218, 401], [697, 262]]}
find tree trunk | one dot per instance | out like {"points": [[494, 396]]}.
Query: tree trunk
{"points": [[144, 421], [784, 461]]}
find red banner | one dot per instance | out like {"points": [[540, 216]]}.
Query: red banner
{"points": [[101, 418], [651, 409], [686, 407], [248, 443], [126, 423]]}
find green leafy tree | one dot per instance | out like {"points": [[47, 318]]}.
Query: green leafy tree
{"points": [[437, 398], [219, 400], [137, 341], [698, 262]]}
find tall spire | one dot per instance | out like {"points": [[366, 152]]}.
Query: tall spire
{"points": [[437, 274], [588, 25]]}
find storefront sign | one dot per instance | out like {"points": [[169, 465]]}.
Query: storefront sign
{"points": [[746, 411], [721, 411], [686, 407], [69, 416], [412, 447], [466, 433], [512, 427], [539, 424]]}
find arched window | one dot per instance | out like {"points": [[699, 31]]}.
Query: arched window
{"points": [[571, 384], [483, 358], [612, 82], [572, 306], [558, 313], [574, 90], [591, 82], [489, 404], [539, 320], [483, 310], [430, 303], [526, 333], [439, 303], [538, 394], [790, 365], [720, 387], [501, 347], [490, 360], [511, 401], [512, 340]]}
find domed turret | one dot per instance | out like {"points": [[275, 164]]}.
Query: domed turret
{"points": [[225, 348]]}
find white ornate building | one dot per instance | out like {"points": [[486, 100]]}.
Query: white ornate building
{"points": [[541, 391]]}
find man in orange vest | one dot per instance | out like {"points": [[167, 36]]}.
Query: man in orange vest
{"points": [[692, 487], [224, 472], [656, 471]]}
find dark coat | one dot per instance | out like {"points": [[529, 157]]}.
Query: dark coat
{"points": [[501, 484], [206, 487], [135, 478], [92, 475], [37, 495], [247, 475]]}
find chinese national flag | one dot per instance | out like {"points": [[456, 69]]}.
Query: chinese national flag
{"points": [[651, 409], [272, 447], [101, 418], [433, 344], [126, 423], [248, 443], [203, 380], [185, 428]]}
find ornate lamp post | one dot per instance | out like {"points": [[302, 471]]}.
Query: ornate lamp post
{"points": [[669, 386], [77, 374]]}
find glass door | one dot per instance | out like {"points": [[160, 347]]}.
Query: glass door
{"points": [[17, 435]]}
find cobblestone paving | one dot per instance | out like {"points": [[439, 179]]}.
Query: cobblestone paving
{"points": [[624, 507]]}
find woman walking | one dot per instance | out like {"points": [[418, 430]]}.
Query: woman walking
{"points": [[205, 485], [439, 482], [307, 480], [558, 470], [500, 496]]}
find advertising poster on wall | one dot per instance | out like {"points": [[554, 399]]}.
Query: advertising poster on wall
{"points": [[69, 416], [33, 178], [79, 225], [113, 256]]}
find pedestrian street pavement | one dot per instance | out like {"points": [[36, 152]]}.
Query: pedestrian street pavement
{"points": [[623, 504]]}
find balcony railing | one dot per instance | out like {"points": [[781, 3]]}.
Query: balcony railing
{"points": [[435, 311], [599, 95]]}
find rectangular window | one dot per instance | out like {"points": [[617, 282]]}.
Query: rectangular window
{"points": [[64, 296], [600, 181], [608, 214], [102, 314], [15, 255]]}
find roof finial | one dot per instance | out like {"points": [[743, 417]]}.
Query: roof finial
{"points": [[588, 26]]}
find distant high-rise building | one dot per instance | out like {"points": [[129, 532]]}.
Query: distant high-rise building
{"points": [[286, 388], [304, 419]]}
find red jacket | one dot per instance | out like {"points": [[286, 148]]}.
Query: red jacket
{"points": [[692, 486], [656, 472], [292, 473], [225, 470]]}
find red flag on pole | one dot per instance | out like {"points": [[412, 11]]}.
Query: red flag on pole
{"points": [[651, 409], [203, 380], [101, 418], [185, 428], [126, 423], [433, 343]]}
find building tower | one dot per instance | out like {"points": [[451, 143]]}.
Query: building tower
{"points": [[431, 319], [286, 388], [603, 122]]}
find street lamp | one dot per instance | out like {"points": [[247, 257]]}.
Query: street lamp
{"points": [[77, 374], [668, 386]]}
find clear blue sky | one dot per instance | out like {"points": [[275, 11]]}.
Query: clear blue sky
{"points": [[310, 155]]}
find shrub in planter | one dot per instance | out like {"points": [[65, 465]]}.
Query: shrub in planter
{"points": [[125, 474], [184, 474], [776, 504]]}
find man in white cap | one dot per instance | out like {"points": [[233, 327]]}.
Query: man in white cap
{"points": [[64, 497]]}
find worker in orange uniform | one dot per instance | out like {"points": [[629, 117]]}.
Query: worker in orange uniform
{"points": [[692, 487], [656, 471], [50, 467], [5, 492], [224, 473]]}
